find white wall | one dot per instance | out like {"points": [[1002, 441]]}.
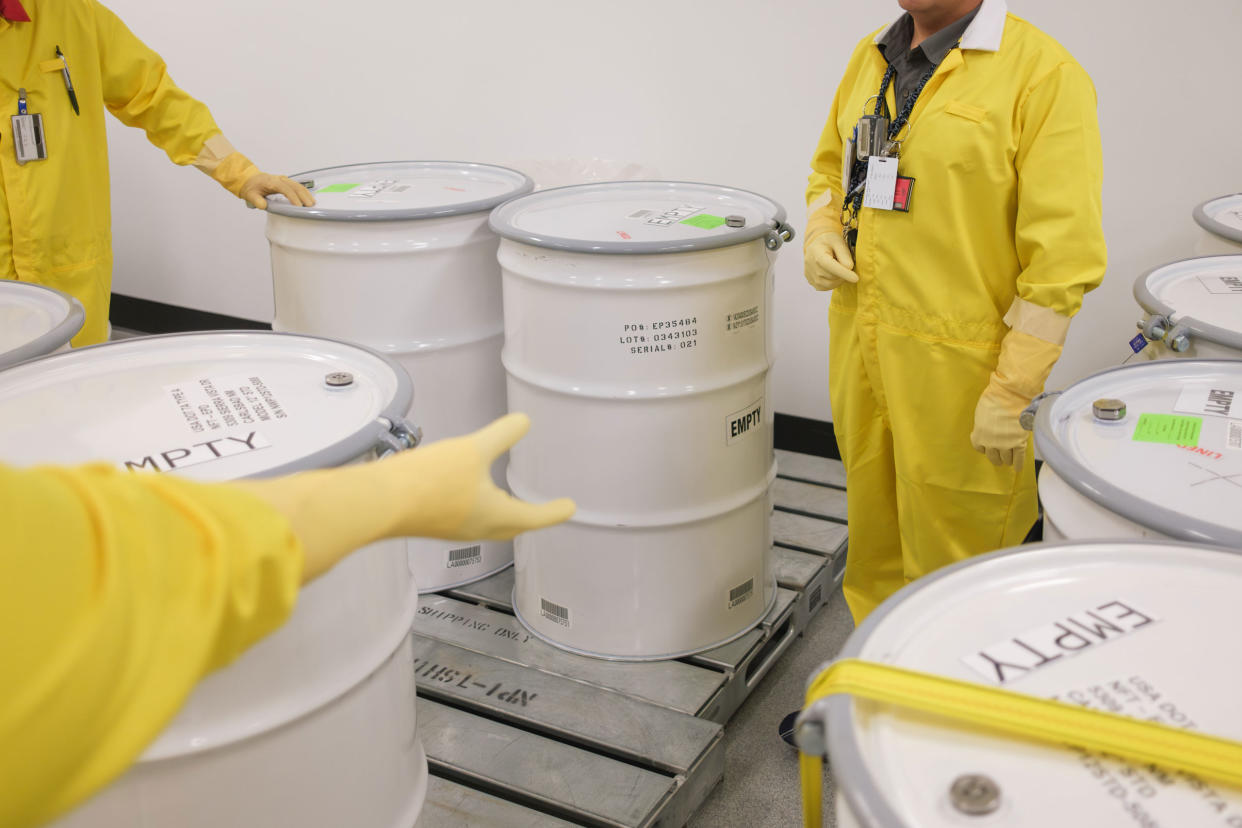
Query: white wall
{"points": [[727, 91]]}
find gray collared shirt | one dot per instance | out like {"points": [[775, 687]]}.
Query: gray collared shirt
{"points": [[909, 65]]}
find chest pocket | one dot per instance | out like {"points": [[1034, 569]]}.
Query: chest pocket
{"points": [[965, 138], [965, 110]]}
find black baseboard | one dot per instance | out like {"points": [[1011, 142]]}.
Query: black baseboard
{"points": [[806, 436], [149, 317]]}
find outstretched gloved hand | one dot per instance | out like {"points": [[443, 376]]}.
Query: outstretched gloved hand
{"points": [[826, 258], [442, 490]]}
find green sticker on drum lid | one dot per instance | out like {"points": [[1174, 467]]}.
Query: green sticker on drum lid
{"points": [[1172, 429], [337, 188], [705, 221]]}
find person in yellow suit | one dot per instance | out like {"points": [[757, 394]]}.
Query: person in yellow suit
{"points": [[119, 591], [953, 284], [73, 59]]}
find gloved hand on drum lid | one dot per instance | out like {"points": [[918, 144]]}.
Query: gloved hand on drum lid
{"points": [[264, 184], [442, 490], [826, 259], [1026, 360], [238, 174]]}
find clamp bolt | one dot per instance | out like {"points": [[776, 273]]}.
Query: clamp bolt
{"points": [[975, 794]]}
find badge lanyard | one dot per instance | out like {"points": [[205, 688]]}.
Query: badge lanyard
{"points": [[875, 139]]}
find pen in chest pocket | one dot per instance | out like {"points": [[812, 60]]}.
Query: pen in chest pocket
{"points": [[64, 71]]}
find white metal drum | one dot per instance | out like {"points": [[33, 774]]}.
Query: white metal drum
{"points": [[638, 338], [1100, 480], [398, 256], [35, 321], [1221, 221], [1141, 628], [314, 726], [1194, 308]]}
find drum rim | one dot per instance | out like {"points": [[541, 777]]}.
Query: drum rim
{"points": [[1213, 226], [856, 783], [501, 222], [524, 186], [349, 448], [1095, 487], [48, 342], [1153, 305]]}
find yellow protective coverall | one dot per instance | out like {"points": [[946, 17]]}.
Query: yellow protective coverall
{"points": [[1005, 223], [55, 222], [106, 632]]}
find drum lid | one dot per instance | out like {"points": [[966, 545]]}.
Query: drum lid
{"points": [[1202, 295], [403, 190], [35, 320], [638, 217], [1222, 217], [1177, 470], [1142, 628], [211, 406]]}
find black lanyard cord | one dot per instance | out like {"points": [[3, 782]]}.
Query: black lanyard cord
{"points": [[858, 169]]}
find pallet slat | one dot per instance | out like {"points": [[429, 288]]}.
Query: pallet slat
{"points": [[567, 779], [672, 684], [809, 499], [565, 709], [812, 469], [450, 805]]}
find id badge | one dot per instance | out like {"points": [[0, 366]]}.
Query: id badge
{"points": [[881, 183], [28, 138]]}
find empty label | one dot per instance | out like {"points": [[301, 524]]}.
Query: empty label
{"points": [[741, 424], [1209, 400]]}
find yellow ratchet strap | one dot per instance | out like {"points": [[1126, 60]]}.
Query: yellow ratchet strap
{"points": [[1017, 714]]}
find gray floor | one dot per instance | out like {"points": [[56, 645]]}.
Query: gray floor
{"points": [[760, 786]]}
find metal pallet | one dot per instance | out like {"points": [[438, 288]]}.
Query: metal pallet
{"points": [[518, 732]]}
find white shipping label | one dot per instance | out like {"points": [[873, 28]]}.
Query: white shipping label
{"points": [[373, 188], [1209, 400], [1231, 285], [657, 217], [213, 404], [1147, 795], [1018, 656], [741, 424], [881, 184]]}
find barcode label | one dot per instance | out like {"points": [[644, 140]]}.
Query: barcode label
{"points": [[639, 214], [465, 556], [554, 612], [813, 599], [740, 593], [1234, 438]]}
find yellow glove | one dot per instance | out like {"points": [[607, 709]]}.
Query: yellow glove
{"points": [[1026, 358], [261, 184], [826, 259], [441, 490], [239, 176]]}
